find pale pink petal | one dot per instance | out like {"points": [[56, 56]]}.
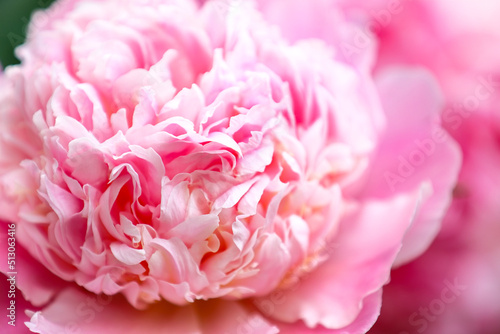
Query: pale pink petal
{"points": [[364, 321], [74, 310], [221, 317], [33, 280], [415, 150]]}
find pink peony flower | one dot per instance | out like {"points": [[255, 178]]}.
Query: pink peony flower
{"points": [[174, 167]]}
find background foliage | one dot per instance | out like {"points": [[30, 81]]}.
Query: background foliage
{"points": [[14, 18]]}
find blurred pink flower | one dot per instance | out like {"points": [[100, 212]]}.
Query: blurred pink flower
{"points": [[458, 41], [465, 255], [219, 173]]}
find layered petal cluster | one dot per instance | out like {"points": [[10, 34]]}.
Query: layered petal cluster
{"points": [[198, 163]]}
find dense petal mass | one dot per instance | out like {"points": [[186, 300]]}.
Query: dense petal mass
{"points": [[182, 162]]}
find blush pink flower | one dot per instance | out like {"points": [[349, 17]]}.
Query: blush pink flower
{"points": [[171, 166]]}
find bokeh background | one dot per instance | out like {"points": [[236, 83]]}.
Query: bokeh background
{"points": [[14, 18]]}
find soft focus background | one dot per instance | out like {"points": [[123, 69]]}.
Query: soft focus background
{"points": [[14, 17]]}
